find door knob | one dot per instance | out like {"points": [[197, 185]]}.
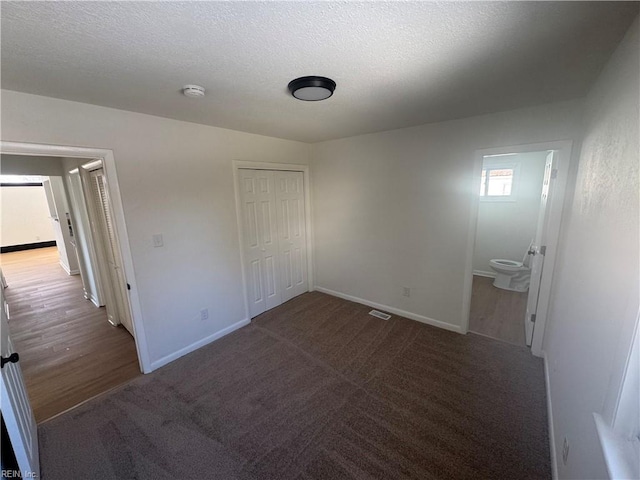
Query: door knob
{"points": [[13, 358]]}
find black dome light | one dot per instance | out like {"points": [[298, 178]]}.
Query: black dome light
{"points": [[312, 89]]}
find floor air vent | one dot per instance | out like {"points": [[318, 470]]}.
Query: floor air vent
{"points": [[381, 315]]}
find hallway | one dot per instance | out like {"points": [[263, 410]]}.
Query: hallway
{"points": [[68, 350]]}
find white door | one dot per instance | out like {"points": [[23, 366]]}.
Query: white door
{"points": [[85, 239], [14, 405], [260, 237], [292, 240], [274, 236], [112, 249], [59, 212], [538, 249]]}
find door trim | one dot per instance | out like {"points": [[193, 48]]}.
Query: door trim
{"points": [[108, 160], [243, 164], [564, 149]]}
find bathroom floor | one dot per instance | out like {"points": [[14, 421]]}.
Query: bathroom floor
{"points": [[497, 313]]}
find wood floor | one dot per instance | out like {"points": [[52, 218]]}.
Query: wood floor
{"points": [[68, 350], [497, 313]]}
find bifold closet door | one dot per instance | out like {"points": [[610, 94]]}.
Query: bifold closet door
{"points": [[260, 239], [292, 241], [106, 226], [274, 237]]}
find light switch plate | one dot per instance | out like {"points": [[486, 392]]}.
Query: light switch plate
{"points": [[157, 240]]}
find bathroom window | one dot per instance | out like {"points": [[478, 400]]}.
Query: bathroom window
{"points": [[498, 183]]}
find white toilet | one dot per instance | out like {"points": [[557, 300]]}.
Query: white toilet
{"points": [[511, 275]]}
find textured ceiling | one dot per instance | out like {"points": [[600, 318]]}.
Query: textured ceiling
{"points": [[396, 64]]}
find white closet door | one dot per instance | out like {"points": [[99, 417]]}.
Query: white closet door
{"points": [[260, 239], [292, 239], [112, 248]]}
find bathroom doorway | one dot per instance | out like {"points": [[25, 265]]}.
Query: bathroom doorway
{"points": [[517, 202]]}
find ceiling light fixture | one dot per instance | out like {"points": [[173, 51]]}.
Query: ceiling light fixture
{"points": [[193, 91], [312, 89]]}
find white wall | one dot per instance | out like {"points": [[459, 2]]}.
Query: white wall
{"points": [[24, 216], [392, 209], [31, 165], [506, 228], [175, 179], [596, 283]]}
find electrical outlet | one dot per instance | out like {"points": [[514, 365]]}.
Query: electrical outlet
{"points": [[565, 450], [204, 314], [406, 292]]}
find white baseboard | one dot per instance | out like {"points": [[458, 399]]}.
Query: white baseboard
{"points": [[200, 343], [552, 437], [68, 270], [482, 273], [395, 311], [94, 300]]}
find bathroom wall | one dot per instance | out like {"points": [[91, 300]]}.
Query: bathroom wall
{"points": [[505, 228]]}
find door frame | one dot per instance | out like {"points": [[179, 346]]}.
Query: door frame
{"points": [[109, 164], [290, 167], [564, 149]]}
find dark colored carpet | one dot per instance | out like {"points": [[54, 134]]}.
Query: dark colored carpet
{"points": [[317, 389]]}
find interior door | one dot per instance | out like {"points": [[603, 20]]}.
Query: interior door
{"points": [[15, 407], [292, 239], [112, 248], [85, 238], [258, 200], [55, 221], [538, 249]]}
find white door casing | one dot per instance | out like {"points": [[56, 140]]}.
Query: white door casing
{"points": [[107, 158], [291, 233], [538, 250], [15, 407]]}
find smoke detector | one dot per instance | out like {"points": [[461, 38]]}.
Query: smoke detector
{"points": [[193, 91]]}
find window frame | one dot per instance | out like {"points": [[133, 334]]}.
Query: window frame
{"points": [[620, 437], [492, 164]]}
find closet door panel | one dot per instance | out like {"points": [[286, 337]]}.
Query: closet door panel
{"points": [[260, 239], [291, 233]]}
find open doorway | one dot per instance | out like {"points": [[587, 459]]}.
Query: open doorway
{"points": [[70, 316], [508, 211], [517, 205]]}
